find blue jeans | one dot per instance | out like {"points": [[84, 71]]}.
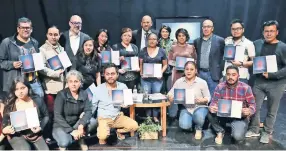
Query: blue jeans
{"points": [[187, 119], [153, 86], [37, 88], [211, 83]]}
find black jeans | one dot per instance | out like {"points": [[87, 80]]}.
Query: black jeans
{"points": [[20, 143]]}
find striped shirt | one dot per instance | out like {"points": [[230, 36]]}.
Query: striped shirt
{"points": [[241, 92]]}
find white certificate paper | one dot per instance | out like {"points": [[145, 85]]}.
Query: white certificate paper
{"points": [[190, 97], [134, 63], [65, 60], [115, 57], [271, 63], [38, 61], [158, 70], [32, 117], [128, 99], [239, 53], [236, 109]]}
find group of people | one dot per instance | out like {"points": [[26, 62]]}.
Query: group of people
{"points": [[64, 107]]}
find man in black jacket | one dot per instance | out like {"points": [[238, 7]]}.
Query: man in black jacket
{"points": [[210, 49], [271, 85], [73, 39], [139, 36]]}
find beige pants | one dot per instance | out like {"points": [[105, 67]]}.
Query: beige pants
{"points": [[123, 124]]}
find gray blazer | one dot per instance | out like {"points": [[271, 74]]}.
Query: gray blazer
{"points": [[65, 42], [216, 62]]}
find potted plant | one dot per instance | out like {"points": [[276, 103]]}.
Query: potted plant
{"points": [[148, 129]]}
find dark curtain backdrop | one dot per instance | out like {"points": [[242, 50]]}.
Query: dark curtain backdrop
{"points": [[115, 14]]}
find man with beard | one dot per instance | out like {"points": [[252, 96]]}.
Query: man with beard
{"points": [[271, 85], [231, 90], [73, 39], [108, 115], [11, 48], [243, 45], [139, 37]]}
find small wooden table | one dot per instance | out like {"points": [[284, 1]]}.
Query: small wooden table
{"points": [[163, 105]]}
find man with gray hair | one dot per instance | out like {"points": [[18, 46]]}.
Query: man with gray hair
{"points": [[73, 39], [11, 48]]}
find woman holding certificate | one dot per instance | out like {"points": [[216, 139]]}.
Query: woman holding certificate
{"points": [[101, 44], [128, 54], [180, 53], [88, 63], [193, 93], [72, 113], [53, 79], [153, 63], [25, 117]]}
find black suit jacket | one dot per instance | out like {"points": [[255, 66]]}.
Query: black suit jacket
{"points": [[136, 36], [216, 62], [65, 42]]}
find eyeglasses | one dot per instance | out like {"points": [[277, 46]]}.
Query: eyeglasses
{"points": [[204, 27], [236, 29], [24, 28], [77, 23], [269, 31]]}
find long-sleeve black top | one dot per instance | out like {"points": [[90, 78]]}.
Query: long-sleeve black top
{"points": [[67, 110]]}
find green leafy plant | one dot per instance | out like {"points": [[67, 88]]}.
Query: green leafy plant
{"points": [[148, 126]]}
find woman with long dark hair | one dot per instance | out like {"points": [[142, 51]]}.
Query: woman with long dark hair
{"points": [[21, 98], [88, 63], [102, 44]]}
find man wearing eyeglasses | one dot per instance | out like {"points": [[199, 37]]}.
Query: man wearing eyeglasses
{"points": [[271, 85], [73, 39], [210, 49], [11, 48], [244, 47]]}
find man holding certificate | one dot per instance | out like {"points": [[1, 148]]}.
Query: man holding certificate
{"points": [[270, 84], [243, 50], [21, 45], [232, 102], [108, 114], [195, 99]]}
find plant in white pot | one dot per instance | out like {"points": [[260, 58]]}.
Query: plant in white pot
{"points": [[148, 129]]}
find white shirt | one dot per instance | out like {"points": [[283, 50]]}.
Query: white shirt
{"points": [[249, 51], [143, 39], [74, 42]]}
